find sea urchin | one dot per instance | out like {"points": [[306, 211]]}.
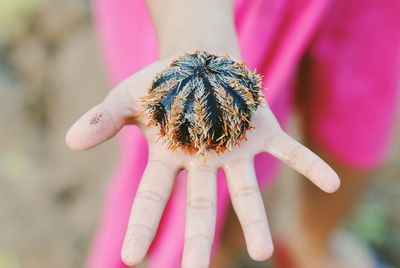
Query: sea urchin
{"points": [[203, 101]]}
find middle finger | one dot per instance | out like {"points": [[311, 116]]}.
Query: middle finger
{"points": [[201, 196]]}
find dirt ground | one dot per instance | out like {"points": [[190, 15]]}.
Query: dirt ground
{"points": [[50, 197]]}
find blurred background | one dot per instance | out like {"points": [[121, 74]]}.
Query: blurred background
{"points": [[50, 197]]}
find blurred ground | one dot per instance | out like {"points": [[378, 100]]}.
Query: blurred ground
{"points": [[50, 197]]}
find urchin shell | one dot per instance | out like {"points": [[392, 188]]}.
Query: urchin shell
{"points": [[203, 102]]}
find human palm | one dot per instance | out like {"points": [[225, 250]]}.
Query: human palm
{"points": [[122, 106]]}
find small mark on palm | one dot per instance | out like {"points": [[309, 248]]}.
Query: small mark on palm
{"points": [[96, 118]]}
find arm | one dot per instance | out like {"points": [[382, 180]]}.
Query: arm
{"points": [[187, 25]]}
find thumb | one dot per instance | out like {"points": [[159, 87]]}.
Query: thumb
{"points": [[101, 122], [120, 107]]}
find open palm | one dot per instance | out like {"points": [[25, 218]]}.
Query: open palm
{"points": [[122, 107]]}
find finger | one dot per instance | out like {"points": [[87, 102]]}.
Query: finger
{"points": [[304, 161], [120, 107], [201, 196], [99, 124], [153, 192], [249, 207]]}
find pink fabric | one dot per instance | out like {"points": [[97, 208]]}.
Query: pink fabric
{"points": [[353, 48]]}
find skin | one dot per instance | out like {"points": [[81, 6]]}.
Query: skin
{"points": [[121, 107]]}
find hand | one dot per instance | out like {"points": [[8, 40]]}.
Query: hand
{"points": [[122, 107]]}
